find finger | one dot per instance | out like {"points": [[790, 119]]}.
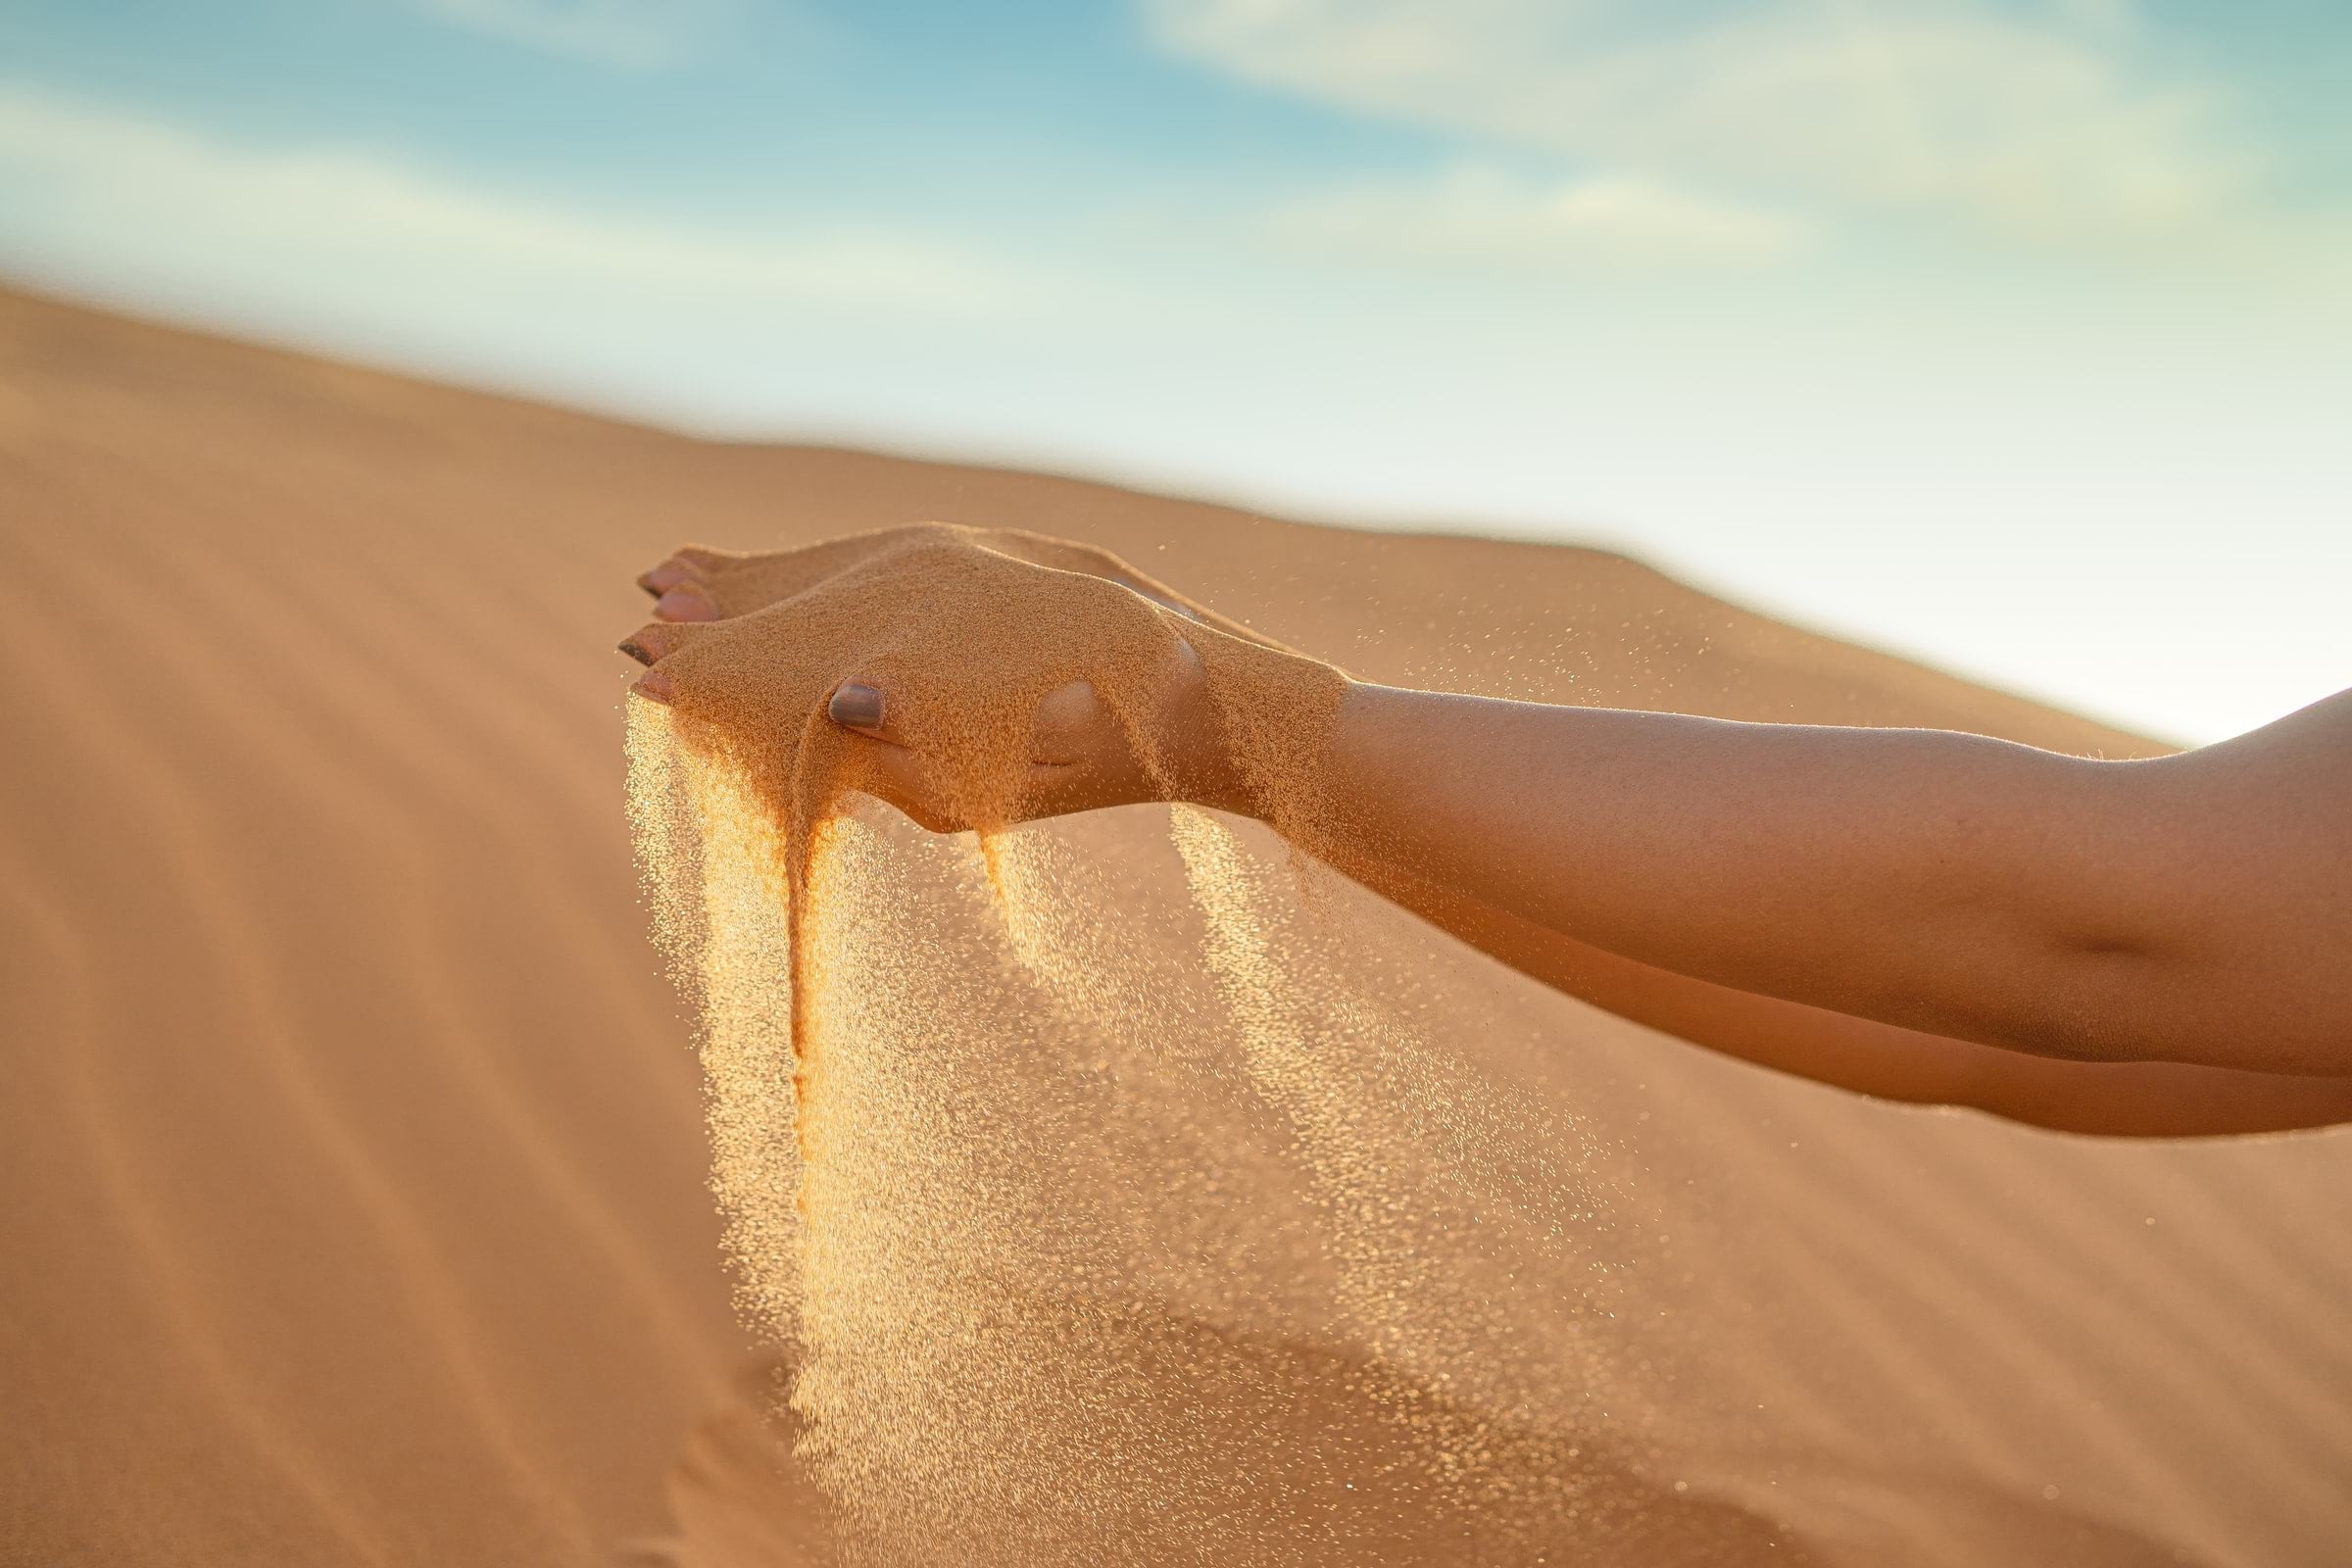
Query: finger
{"points": [[658, 639], [1159, 593], [1073, 724], [894, 773], [898, 775], [667, 577], [861, 706], [688, 601], [686, 563], [1065, 554], [749, 583], [656, 686], [1067, 726]]}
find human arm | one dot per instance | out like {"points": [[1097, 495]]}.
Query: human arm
{"points": [[2195, 909], [1902, 913], [1916, 915], [2114, 1099]]}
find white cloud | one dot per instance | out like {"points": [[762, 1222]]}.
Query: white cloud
{"points": [[123, 184], [637, 34], [2035, 116], [1483, 217]]}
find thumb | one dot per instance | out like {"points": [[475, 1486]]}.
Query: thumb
{"points": [[860, 707]]}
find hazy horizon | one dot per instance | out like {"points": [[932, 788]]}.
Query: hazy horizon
{"points": [[2009, 334]]}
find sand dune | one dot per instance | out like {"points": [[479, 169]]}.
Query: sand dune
{"points": [[355, 1159]]}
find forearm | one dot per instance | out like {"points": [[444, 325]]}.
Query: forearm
{"points": [[1946, 884], [2134, 1098], [2111, 1098]]}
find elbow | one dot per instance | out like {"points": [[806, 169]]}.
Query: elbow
{"points": [[2084, 999]]}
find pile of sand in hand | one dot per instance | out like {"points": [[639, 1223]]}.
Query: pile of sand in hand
{"points": [[1096, 1215]]}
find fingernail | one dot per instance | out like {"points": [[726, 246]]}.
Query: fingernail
{"points": [[855, 706], [656, 685], [636, 649], [686, 604], [663, 578]]}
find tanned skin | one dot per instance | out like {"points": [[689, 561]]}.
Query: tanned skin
{"points": [[2154, 948]]}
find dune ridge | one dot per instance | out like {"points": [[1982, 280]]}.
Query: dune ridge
{"points": [[357, 1161]]}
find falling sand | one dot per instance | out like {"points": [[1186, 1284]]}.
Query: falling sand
{"points": [[1077, 1257], [359, 1213]]}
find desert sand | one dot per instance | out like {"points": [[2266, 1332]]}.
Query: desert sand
{"points": [[357, 1168]]}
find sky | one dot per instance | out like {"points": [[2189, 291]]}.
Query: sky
{"points": [[2011, 334]]}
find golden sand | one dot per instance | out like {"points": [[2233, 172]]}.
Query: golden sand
{"points": [[1075, 1260], [357, 1176]]}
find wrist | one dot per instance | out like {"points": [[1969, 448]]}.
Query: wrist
{"points": [[1253, 733], [1198, 743]]}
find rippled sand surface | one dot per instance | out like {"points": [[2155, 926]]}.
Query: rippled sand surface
{"points": [[356, 1151]]}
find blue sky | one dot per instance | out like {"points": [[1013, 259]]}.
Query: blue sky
{"points": [[2017, 333]]}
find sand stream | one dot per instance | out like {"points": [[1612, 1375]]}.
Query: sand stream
{"points": [[357, 1171]]}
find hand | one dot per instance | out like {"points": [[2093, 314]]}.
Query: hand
{"points": [[966, 685], [1081, 755], [697, 583]]}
